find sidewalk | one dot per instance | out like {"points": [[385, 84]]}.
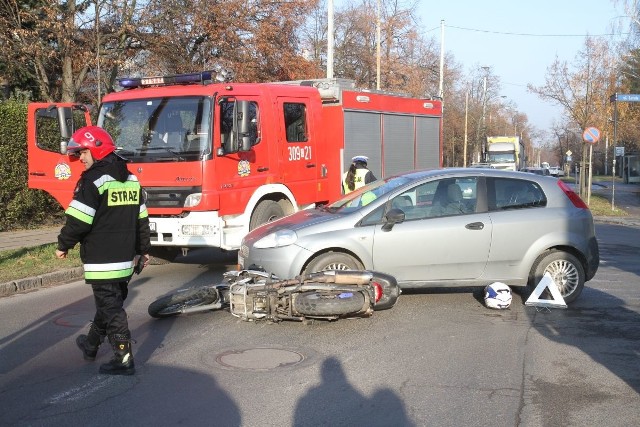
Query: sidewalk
{"points": [[27, 238], [625, 196]]}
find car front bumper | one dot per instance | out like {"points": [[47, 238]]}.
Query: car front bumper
{"points": [[285, 262]]}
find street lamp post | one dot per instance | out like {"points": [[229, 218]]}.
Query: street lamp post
{"points": [[483, 133], [466, 116]]}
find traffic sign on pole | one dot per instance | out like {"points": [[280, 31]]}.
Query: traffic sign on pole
{"points": [[591, 135], [625, 97]]}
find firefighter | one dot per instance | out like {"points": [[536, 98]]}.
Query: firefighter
{"points": [[358, 175], [109, 219]]}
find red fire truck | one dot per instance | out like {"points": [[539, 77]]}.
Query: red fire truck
{"points": [[217, 159]]}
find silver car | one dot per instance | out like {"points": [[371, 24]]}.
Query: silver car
{"points": [[439, 228]]}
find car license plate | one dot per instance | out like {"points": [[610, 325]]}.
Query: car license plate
{"points": [[152, 226]]}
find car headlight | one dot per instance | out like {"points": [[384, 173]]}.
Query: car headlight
{"points": [[277, 239]]}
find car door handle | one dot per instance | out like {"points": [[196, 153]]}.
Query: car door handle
{"points": [[263, 169], [475, 226], [311, 165], [37, 174]]}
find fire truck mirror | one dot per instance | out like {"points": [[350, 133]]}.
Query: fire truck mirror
{"points": [[54, 127], [66, 122], [242, 126]]}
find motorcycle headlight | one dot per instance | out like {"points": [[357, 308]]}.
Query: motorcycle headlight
{"points": [[277, 239]]}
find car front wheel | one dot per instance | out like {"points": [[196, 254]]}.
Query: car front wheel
{"points": [[565, 270], [333, 261]]}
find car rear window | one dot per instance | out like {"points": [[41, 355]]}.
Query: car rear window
{"points": [[507, 193]]}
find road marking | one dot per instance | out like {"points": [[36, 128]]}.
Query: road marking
{"points": [[81, 392]]}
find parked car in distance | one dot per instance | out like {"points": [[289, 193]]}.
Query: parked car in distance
{"points": [[537, 170], [556, 171], [440, 228], [481, 165]]}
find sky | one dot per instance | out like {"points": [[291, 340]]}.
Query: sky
{"points": [[550, 28]]}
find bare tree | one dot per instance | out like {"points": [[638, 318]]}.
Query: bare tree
{"points": [[257, 40], [51, 40], [582, 90], [62, 44]]}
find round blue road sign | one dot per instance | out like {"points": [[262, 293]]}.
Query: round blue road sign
{"points": [[591, 135]]}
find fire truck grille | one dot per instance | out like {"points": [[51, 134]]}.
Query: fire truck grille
{"points": [[168, 197]]}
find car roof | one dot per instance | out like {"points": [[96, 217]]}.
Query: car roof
{"points": [[417, 175], [426, 173]]}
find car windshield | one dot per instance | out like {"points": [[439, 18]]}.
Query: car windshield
{"points": [[367, 194], [159, 129], [501, 157]]}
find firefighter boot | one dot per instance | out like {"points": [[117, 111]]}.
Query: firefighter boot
{"points": [[89, 343], [122, 361]]}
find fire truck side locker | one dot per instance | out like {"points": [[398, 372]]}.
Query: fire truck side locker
{"points": [[396, 133]]}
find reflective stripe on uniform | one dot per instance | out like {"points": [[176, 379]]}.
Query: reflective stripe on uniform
{"points": [[81, 212], [104, 182], [143, 211], [107, 271]]}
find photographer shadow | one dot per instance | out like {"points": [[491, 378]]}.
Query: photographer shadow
{"points": [[334, 402]]}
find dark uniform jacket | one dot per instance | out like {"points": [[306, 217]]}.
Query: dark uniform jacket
{"points": [[108, 217]]}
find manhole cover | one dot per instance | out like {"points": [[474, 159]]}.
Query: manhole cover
{"points": [[260, 359]]}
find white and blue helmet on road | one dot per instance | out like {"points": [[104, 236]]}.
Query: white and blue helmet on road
{"points": [[497, 295]]}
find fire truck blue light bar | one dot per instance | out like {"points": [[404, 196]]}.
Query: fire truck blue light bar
{"points": [[191, 78]]}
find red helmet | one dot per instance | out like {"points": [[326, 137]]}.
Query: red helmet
{"points": [[95, 139]]}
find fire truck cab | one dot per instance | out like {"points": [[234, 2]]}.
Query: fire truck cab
{"points": [[217, 159]]}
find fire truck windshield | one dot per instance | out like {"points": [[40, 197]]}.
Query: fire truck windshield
{"points": [[159, 129]]}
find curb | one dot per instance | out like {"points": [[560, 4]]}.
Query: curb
{"points": [[628, 221], [49, 279]]}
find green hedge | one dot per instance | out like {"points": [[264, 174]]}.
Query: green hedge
{"points": [[21, 206]]}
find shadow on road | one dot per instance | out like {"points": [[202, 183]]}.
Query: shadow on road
{"points": [[335, 402]]}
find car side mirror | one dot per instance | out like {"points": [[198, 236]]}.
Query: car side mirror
{"points": [[393, 217]]}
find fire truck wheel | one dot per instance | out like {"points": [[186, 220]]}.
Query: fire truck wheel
{"points": [[265, 211], [333, 261], [287, 207], [161, 255]]}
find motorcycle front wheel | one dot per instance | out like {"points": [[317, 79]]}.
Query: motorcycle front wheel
{"points": [[174, 304], [320, 304]]}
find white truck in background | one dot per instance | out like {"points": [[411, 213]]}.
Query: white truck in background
{"points": [[505, 152]]}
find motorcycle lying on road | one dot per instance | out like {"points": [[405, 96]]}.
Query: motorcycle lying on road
{"points": [[257, 295]]}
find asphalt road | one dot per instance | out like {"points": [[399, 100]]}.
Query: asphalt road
{"points": [[437, 358]]}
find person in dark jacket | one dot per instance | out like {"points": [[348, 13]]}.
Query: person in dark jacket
{"points": [[109, 219], [358, 175]]}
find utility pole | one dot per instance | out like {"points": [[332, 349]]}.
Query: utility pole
{"points": [[484, 113], [441, 87], [330, 39], [98, 49], [378, 47], [466, 116]]}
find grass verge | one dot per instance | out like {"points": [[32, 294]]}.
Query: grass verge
{"points": [[601, 206], [34, 261]]}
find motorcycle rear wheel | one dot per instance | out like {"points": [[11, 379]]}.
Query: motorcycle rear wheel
{"points": [[318, 304], [173, 304]]}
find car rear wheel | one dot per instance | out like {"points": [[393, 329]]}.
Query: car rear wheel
{"points": [[565, 270], [333, 261]]}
